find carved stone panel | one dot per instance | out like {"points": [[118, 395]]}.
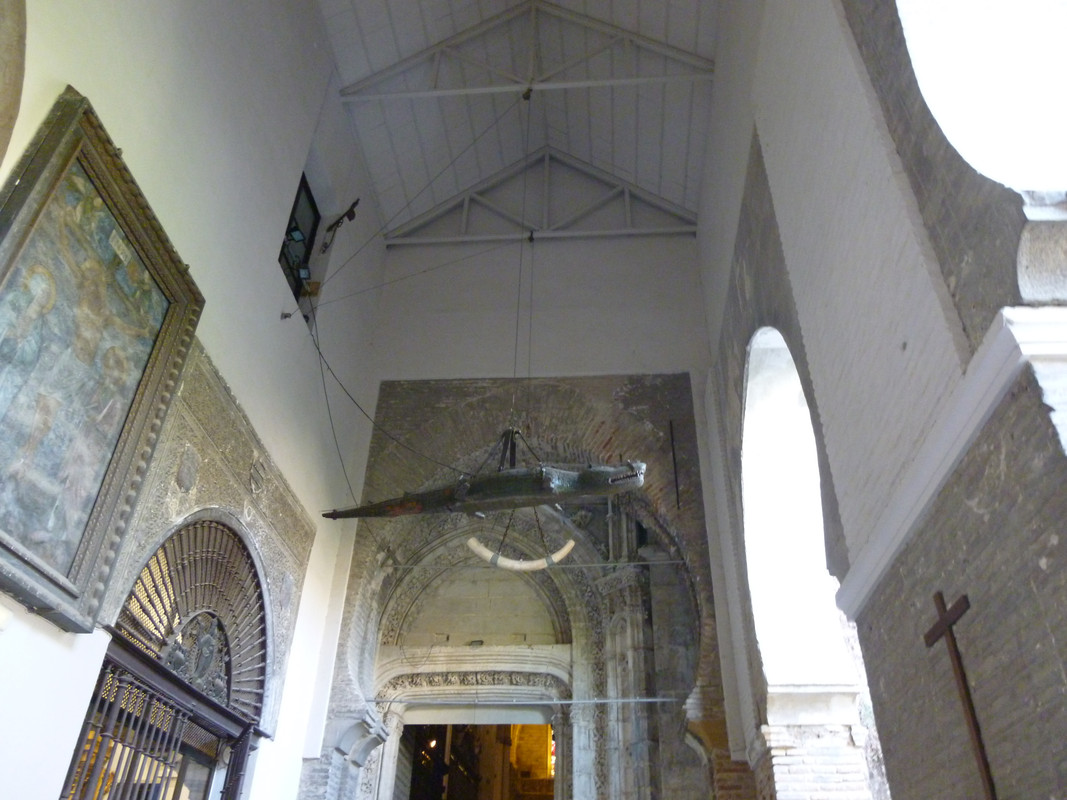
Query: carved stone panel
{"points": [[210, 464]]}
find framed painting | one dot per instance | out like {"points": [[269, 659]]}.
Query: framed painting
{"points": [[97, 312]]}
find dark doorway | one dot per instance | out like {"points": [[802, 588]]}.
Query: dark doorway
{"points": [[477, 762]]}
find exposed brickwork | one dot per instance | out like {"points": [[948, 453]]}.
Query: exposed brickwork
{"points": [[995, 534], [733, 780], [815, 763], [574, 420], [974, 224]]}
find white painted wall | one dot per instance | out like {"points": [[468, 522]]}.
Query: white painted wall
{"points": [[600, 307], [871, 301], [883, 343], [46, 679], [217, 109], [730, 130]]}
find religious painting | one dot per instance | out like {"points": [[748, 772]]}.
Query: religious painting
{"points": [[96, 314]]}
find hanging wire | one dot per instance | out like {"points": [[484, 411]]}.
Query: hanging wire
{"points": [[507, 528], [315, 334], [418, 274], [540, 530], [518, 291], [385, 225], [529, 338], [374, 424]]}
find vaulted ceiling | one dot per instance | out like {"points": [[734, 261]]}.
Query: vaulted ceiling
{"points": [[451, 99]]}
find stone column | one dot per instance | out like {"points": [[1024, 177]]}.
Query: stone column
{"points": [[354, 749], [1041, 261], [394, 726], [631, 670], [586, 753], [561, 729], [366, 787]]}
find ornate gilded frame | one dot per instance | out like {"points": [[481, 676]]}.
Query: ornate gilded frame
{"points": [[97, 314]]}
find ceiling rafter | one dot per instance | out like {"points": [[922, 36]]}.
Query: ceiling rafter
{"points": [[542, 223], [685, 66]]}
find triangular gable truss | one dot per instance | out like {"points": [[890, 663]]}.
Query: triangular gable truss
{"points": [[546, 196], [536, 46]]}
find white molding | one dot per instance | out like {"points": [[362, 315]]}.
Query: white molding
{"points": [[1016, 336]]}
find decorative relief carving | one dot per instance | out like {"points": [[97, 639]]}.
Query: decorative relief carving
{"points": [[199, 654], [408, 596], [622, 578], [384, 598], [549, 684], [188, 469], [196, 474], [257, 476], [368, 775]]}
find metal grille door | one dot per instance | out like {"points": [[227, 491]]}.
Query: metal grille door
{"points": [[130, 743]]}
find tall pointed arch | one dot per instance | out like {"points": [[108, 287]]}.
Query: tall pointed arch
{"points": [[813, 678]]}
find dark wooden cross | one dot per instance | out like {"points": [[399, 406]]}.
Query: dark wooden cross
{"points": [[946, 618]]}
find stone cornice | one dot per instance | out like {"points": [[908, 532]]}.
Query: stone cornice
{"points": [[394, 663], [460, 686]]}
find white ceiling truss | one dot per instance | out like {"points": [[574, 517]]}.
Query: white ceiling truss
{"points": [[624, 108], [539, 58], [549, 195]]}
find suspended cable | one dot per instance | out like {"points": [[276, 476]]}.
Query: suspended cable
{"points": [[518, 291], [313, 330], [562, 565], [418, 274], [374, 424], [385, 226]]}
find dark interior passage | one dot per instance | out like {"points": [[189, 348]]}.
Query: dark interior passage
{"points": [[476, 762]]}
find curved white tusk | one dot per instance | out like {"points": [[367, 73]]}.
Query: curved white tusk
{"points": [[515, 564]]}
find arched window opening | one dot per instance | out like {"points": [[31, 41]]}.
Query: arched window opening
{"points": [[792, 593], [182, 686], [813, 671]]}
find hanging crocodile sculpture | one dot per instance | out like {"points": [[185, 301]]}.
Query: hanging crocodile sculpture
{"points": [[506, 489]]}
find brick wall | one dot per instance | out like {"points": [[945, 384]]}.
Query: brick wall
{"points": [[973, 223], [994, 534]]}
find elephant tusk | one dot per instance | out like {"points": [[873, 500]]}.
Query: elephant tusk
{"points": [[515, 564]]}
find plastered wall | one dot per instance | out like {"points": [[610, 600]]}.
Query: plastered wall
{"points": [[599, 307], [216, 130]]}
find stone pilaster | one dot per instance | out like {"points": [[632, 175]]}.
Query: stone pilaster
{"points": [[631, 670], [561, 729]]}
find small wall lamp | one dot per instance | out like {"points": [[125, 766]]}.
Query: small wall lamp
{"points": [[333, 226]]}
